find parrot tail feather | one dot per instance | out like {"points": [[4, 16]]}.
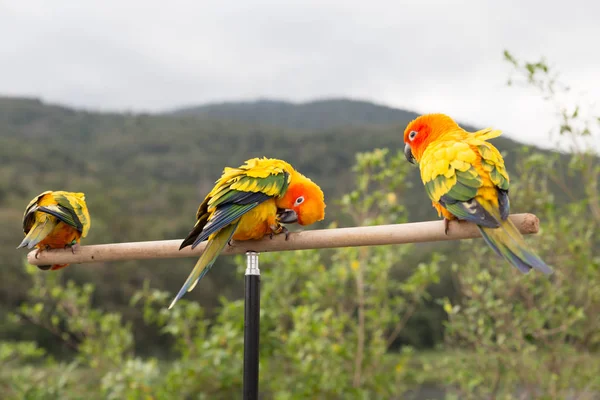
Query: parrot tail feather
{"points": [[38, 233], [211, 252], [507, 242]]}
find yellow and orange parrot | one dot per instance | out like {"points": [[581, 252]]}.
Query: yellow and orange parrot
{"points": [[55, 220], [465, 179], [250, 202]]}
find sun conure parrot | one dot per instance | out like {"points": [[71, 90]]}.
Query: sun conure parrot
{"points": [[465, 178], [55, 220], [247, 203]]}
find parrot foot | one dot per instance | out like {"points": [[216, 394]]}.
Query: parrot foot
{"points": [[73, 247], [282, 229], [446, 226], [279, 230], [39, 250], [286, 232], [229, 243]]}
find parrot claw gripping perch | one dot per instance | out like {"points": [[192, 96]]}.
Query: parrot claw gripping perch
{"points": [[39, 250], [281, 230], [73, 247]]}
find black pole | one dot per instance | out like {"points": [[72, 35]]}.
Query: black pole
{"points": [[251, 326]]}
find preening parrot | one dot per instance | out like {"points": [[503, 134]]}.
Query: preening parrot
{"points": [[247, 203], [465, 178], [55, 220]]}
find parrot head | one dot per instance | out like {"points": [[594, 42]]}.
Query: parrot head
{"points": [[424, 130], [303, 202]]}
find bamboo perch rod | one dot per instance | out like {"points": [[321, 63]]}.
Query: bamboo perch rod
{"points": [[431, 231]]}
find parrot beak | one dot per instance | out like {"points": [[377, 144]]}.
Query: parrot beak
{"points": [[287, 216], [408, 154]]}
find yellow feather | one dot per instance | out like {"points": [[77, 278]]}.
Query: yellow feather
{"points": [[459, 165], [270, 189], [487, 134]]}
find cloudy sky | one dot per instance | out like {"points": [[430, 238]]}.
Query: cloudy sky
{"points": [[425, 56]]}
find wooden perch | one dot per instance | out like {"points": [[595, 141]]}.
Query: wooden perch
{"points": [[417, 232]]}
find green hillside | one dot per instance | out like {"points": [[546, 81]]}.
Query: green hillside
{"points": [[313, 115]]}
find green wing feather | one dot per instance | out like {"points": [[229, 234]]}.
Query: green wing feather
{"points": [[456, 186], [492, 162], [64, 214], [74, 205], [272, 185]]}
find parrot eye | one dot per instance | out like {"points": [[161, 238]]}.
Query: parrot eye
{"points": [[412, 135], [299, 201]]}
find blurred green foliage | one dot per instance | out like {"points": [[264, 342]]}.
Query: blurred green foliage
{"points": [[335, 324], [327, 322]]}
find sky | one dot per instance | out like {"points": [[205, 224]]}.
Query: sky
{"points": [[423, 56]]}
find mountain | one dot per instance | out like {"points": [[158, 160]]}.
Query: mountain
{"points": [[314, 115]]}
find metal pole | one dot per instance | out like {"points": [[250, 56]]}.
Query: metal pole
{"points": [[251, 326]]}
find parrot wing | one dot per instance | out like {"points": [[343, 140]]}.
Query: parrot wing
{"points": [[76, 203], [29, 215], [71, 209], [37, 233], [493, 163], [451, 178]]}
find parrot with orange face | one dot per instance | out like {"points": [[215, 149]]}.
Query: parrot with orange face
{"points": [[55, 220], [465, 179], [250, 202]]}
